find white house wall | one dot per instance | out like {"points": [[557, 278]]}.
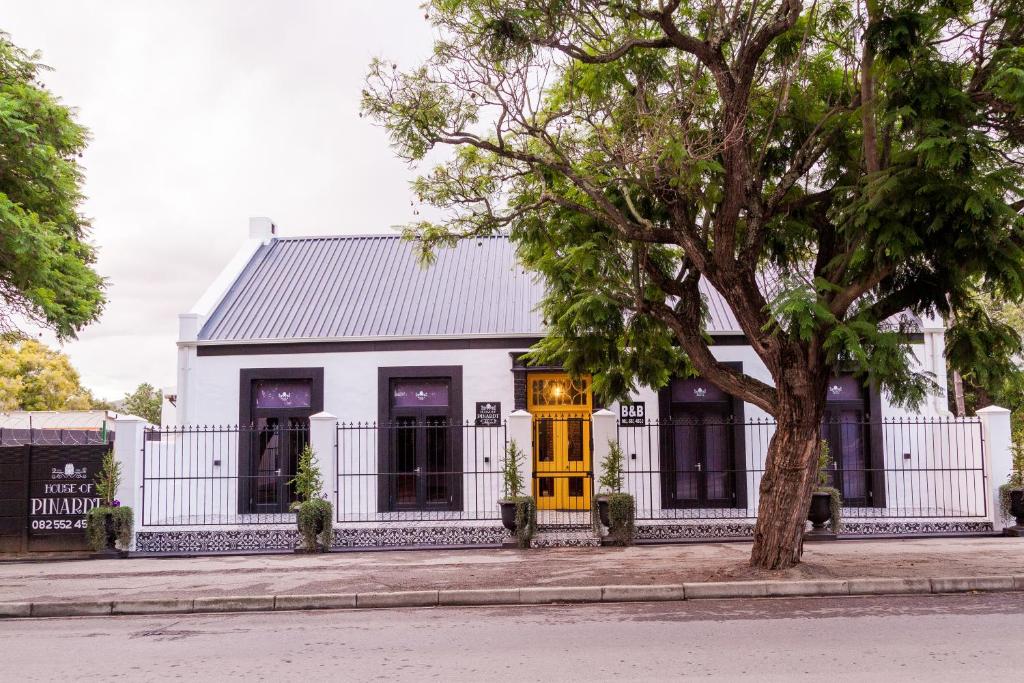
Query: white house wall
{"points": [[208, 394]]}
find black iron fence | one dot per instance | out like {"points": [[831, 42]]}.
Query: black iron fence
{"points": [[419, 469], [214, 475], [894, 468]]}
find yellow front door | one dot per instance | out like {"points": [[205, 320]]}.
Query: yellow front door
{"points": [[561, 412]]}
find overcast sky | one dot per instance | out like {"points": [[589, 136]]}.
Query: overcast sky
{"points": [[204, 113]]}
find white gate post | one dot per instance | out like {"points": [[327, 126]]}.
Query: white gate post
{"points": [[995, 429], [129, 435], [520, 430], [323, 434], [604, 429]]}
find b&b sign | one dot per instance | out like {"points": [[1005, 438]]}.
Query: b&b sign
{"points": [[632, 414]]}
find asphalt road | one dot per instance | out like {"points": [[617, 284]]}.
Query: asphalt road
{"points": [[934, 638]]}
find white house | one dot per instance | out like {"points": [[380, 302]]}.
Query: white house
{"points": [[408, 383]]}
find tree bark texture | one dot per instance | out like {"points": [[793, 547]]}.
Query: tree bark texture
{"points": [[785, 492]]}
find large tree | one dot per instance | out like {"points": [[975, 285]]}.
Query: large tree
{"points": [[46, 262], [35, 377], [826, 166], [144, 402]]}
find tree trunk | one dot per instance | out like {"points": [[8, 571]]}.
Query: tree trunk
{"points": [[786, 487]]}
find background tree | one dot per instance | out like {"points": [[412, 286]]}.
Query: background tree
{"points": [[825, 166], [46, 264], [144, 402], [35, 377]]}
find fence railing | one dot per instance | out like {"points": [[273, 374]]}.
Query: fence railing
{"points": [[419, 470], [895, 468], [425, 470], [197, 476]]}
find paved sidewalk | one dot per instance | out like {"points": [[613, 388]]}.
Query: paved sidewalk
{"points": [[364, 572]]}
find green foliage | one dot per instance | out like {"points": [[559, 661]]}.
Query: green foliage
{"points": [[526, 520], [34, 377], [595, 137], [612, 466], [1016, 479], [824, 464], [315, 521], [640, 154], [622, 515], [308, 481], [46, 261], [511, 472], [824, 486], [144, 402], [108, 479], [95, 526]]}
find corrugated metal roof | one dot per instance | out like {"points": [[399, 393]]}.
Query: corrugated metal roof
{"points": [[372, 286]]}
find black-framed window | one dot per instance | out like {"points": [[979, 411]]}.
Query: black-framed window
{"points": [[855, 441], [420, 438], [703, 446], [275, 405]]}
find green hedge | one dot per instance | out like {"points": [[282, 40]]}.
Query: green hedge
{"points": [[95, 528], [526, 520], [622, 515], [311, 514]]}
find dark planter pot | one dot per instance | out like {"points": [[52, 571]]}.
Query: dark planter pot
{"points": [[602, 511], [319, 530], [110, 550], [508, 514], [819, 513], [1017, 510]]}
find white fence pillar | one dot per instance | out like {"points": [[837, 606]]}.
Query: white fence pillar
{"points": [[129, 432], [520, 430], [995, 429], [323, 435], [604, 430]]}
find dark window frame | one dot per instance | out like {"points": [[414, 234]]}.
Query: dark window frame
{"points": [[247, 378], [739, 441], [871, 406], [386, 459]]}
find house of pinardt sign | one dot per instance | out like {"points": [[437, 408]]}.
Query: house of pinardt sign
{"points": [[46, 490], [59, 502], [488, 413]]}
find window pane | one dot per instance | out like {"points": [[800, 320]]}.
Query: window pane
{"points": [[285, 393], [845, 388], [575, 437], [696, 391], [558, 392], [417, 393]]}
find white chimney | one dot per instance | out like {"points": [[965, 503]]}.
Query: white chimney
{"points": [[261, 228]]}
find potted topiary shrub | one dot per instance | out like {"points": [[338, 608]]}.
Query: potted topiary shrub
{"points": [[518, 512], [615, 509], [110, 523], [314, 512], [1011, 494], [826, 501]]}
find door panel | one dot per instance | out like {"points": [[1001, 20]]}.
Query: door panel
{"points": [[845, 431], [405, 471], [275, 461], [561, 441], [700, 471]]}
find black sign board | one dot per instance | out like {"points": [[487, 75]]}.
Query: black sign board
{"points": [[62, 488], [488, 413], [633, 414]]}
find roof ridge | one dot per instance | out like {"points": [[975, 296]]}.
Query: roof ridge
{"points": [[367, 235]]}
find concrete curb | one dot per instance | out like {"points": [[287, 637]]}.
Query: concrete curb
{"points": [[536, 595]]}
